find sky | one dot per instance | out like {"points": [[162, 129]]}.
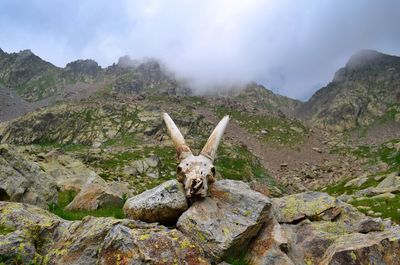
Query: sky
{"points": [[291, 47]]}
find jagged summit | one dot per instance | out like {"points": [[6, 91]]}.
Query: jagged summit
{"points": [[367, 62], [365, 90]]}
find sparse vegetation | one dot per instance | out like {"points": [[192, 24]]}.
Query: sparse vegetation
{"points": [[269, 129], [64, 198]]}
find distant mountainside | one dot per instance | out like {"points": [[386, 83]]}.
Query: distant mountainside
{"points": [[366, 90], [39, 83], [35, 79]]}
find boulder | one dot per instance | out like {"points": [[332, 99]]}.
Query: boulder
{"points": [[24, 181], [149, 166], [98, 193], [357, 182], [163, 204], [372, 248], [34, 236], [270, 246], [69, 173], [392, 180], [299, 206], [224, 223], [312, 224]]}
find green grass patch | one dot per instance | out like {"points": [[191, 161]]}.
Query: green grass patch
{"points": [[279, 131], [388, 207], [385, 152], [64, 198], [339, 188]]}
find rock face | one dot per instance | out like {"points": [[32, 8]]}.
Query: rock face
{"points": [[32, 235], [24, 181], [163, 204], [359, 93], [315, 228], [224, 223], [69, 173], [303, 205], [98, 193]]}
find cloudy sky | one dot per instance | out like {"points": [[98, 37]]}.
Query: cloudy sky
{"points": [[292, 47]]}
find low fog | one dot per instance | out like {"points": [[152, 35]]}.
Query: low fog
{"points": [[290, 47]]}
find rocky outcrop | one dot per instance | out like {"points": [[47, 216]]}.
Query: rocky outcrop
{"points": [[163, 204], [22, 180], [97, 193], [315, 228], [367, 88], [32, 235], [302, 229], [69, 173], [224, 223]]}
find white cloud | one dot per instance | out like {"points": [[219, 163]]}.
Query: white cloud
{"points": [[289, 46]]}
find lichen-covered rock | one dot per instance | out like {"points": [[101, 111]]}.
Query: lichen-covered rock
{"points": [[69, 173], [164, 203], [224, 223], [153, 246], [98, 193], [29, 234], [270, 246], [373, 248], [392, 180], [149, 166], [22, 180], [295, 207], [311, 229]]}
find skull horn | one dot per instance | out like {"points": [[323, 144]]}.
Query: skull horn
{"points": [[210, 148], [182, 150]]}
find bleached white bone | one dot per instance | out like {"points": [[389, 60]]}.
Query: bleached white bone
{"points": [[196, 172]]}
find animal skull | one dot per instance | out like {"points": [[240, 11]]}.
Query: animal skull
{"points": [[196, 172]]}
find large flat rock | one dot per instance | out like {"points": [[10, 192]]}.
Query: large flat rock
{"points": [[163, 204], [22, 180], [225, 222]]}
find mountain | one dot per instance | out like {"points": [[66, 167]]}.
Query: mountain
{"points": [[365, 91], [35, 79], [84, 142]]}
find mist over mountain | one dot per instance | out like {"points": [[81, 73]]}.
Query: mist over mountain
{"points": [[290, 48]]}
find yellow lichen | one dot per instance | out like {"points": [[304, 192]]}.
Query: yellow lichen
{"points": [[187, 244], [144, 237]]}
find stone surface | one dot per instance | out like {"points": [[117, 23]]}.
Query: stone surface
{"points": [[270, 245], [22, 180], [392, 180], [69, 173], [98, 193], [295, 207], [357, 182], [35, 236], [373, 248], [319, 228], [164, 204], [224, 223]]}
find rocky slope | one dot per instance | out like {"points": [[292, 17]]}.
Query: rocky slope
{"points": [[98, 147], [366, 90], [306, 228]]}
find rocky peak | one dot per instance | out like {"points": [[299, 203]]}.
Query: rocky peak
{"points": [[80, 67], [126, 62], [367, 88], [367, 62]]}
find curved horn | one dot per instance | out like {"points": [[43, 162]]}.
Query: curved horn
{"points": [[182, 150], [210, 148]]}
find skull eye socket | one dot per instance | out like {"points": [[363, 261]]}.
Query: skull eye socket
{"points": [[213, 170], [178, 170]]}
